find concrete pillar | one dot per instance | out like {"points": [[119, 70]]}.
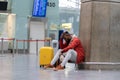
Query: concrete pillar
{"points": [[100, 30]]}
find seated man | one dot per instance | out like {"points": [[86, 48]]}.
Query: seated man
{"points": [[72, 51]]}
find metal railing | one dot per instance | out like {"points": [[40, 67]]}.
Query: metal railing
{"points": [[15, 49], [6, 40], [28, 41]]}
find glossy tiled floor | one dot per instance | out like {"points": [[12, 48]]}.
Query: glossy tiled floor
{"points": [[26, 67]]}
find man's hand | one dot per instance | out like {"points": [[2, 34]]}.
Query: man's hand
{"points": [[62, 51], [62, 36]]}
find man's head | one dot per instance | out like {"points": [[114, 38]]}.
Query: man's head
{"points": [[67, 36]]}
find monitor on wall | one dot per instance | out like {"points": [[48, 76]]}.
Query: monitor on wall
{"points": [[3, 5], [39, 8]]}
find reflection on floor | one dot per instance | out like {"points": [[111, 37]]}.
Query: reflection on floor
{"points": [[26, 67]]}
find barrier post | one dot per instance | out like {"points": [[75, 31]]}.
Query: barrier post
{"points": [[36, 47], [16, 46], [2, 45], [49, 42], [13, 46], [24, 46]]}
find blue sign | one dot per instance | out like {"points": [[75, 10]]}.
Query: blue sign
{"points": [[39, 8]]}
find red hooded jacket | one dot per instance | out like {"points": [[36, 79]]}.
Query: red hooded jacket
{"points": [[76, 45]]}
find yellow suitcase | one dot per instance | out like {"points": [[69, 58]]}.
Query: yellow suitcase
{"points": [[46, 55]]}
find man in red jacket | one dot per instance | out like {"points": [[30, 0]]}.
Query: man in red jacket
{"points": [[72, 50]]}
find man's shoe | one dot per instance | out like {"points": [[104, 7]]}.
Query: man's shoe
{"points": [[59, 67], [49, 66]]}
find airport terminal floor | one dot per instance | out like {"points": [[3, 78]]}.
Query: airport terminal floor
{"points": [[26, 67]]}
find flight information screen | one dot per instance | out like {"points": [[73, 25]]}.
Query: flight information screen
{"points": [[39, 8]]}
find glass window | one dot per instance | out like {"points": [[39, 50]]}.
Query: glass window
{"points": [[69, 11]]}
